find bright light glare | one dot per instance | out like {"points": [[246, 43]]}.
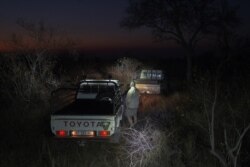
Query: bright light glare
{"points": [[90, 133], [74, 133]]}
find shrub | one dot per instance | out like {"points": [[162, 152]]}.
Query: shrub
{"points": [[125, 70], [148, 145], [27, 83]]}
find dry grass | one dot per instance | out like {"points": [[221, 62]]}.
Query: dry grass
{"points": [[149, 103]]}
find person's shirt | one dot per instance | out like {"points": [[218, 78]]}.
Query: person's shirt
{"points": [[132, 98]]}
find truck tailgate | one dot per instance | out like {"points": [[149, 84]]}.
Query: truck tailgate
{"points": [[71, 126]]}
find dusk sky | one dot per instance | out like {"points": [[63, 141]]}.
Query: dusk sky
{"points": [[93, 23]]}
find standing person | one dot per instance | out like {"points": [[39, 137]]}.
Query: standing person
{"points": [[132, 104]]}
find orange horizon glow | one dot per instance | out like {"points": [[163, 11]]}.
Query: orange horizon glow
{"points": [[4, 47], [92, 46]]}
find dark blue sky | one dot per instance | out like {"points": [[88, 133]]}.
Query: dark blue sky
{"points": [[93, 22]]}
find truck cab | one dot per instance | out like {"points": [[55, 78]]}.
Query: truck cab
{"points": [[95, 114]]}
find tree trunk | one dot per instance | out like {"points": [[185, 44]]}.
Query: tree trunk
{"points": [[189, 68], [190, 53]]}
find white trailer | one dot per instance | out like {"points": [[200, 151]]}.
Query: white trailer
{"points": [[149, 81]]}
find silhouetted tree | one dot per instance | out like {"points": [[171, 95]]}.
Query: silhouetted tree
{"points": [[184, 21], [225, 27]]}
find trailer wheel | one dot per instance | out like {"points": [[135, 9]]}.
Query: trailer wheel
{"points": [[121, 124]]}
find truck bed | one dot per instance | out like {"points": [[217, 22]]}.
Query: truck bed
{"points": [[87, 107]]}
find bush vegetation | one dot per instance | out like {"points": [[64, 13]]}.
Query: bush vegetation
{"points": [[178, 132]]}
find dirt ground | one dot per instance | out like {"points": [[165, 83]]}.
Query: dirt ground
{"points": [[151, 103]]}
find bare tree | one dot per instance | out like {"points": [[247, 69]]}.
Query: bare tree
{"points": [[225, 27], [183, 21], [229, 153]]}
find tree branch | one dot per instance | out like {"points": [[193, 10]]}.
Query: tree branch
{"points": [[192, 40], [240, 138], [219, 157], [212, 118]]}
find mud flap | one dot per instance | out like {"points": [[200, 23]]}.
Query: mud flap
{"points": [[117, 136]]}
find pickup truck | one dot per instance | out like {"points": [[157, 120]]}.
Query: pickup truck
{"points": [[150, 82], [95, 114]]}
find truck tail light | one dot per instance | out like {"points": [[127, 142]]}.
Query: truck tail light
{"points": [[61, 133], [74, 133], [104, 133]]}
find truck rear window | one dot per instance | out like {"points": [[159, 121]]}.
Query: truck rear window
{"points": [[87, 107], [96, 88]]}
